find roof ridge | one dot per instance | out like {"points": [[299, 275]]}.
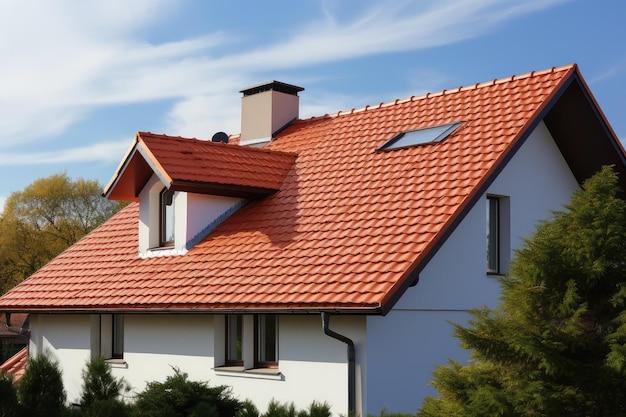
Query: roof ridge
{"points": [[475, 86], [207, 141]]}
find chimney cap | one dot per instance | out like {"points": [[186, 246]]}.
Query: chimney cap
{"points": [[272, 85]]}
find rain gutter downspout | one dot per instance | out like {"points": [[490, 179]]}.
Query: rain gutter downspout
{"points": [[351, 361]]}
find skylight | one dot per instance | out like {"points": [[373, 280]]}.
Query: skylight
{"points": [[420, 136]]}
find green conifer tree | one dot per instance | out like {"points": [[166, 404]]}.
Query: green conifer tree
{"points": [[556, 344]]}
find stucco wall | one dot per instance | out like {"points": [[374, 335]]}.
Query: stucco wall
{"points": [[312, 365], [537, 180]]}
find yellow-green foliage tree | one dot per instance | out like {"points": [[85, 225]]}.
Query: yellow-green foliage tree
{"points": [[44, 219]]}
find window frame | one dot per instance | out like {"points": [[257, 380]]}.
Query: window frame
{"points": [[493, 235], [166, 217], [259, 338], [418, 137], [117, 336], [229, 361]]}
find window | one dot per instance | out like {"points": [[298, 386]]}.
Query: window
{"points": [[266, 341], [250, 341], [167, 218], [234, 340], [118, 337], [420, 136], [493, 235], [498, 234], [107, 336]]}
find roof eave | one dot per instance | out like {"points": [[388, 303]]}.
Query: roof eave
{"points": [[374, 310]]}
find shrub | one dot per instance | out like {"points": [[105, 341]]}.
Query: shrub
{"points": [[8, 396], [248, 409], [385, 413], [276, 409], [99, 383], [179, 397], [316, 409], [101, 390], [40, 390]]}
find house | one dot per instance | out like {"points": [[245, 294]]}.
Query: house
{"points": [[16, 365], [322, 258], [13, 343], [13, 334]]}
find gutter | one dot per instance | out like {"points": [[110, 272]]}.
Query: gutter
{"points": [[351, 361]]}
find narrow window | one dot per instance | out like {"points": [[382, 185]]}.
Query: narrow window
{"points": [[117, 336], [167, 217], [493, 235], [234, 340], [266, 341], [498, 225]]}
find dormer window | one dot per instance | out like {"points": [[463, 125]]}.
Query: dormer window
{"points": [[167, 217], [222, 179]]}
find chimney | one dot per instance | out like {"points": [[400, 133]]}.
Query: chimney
{"points": [[266, 109]]}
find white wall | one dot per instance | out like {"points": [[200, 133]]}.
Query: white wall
{"points": [[537, 180], [192, 214], [66, 339], [312, 365]]}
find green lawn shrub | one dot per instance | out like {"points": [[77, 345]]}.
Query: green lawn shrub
{"points": [[40, 391], [180, 397]]}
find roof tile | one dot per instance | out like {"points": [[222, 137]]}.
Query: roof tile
{"points": [[343, 229]]}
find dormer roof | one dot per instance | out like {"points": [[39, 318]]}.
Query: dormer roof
{"points": [[198, 166], [350, 227]]}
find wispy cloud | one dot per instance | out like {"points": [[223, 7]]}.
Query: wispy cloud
{"points": [[73, 58], [103, 152]]}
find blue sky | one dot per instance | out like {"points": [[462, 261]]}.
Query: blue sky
{"points": [[78, 79]]}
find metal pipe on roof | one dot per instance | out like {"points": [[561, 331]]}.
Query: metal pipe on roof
{"points": [[351, 361]]}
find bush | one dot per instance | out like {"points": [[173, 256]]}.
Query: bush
{"points": [[8, 396], [40, 390], [316, 409], [248, 409], [276, 409], [102, 391], [385, 413], [179, 397]]}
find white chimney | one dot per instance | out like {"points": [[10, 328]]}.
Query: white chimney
{"points": [[266, 109]]}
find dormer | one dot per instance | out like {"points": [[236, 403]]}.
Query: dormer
{"points": [[186, 187]]}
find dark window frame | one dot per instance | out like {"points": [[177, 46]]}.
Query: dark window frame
{"points": [[166, 198], [228, 359], [433, 134], [259, 340], [494, 236], [117, 336]]}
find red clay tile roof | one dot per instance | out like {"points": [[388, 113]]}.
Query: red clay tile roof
{"points": [[16, 365], [15, 328], [345, 231], [199, 166]]}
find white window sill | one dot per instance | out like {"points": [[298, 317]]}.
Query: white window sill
{"points": [[255, 373], [117, 363]]}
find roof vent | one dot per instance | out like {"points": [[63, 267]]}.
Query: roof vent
{"points": [[220, 137]]}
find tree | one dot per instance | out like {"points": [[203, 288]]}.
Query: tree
{"points": [[556, 343], [8, 396], [44, 219], [40, 391]]}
